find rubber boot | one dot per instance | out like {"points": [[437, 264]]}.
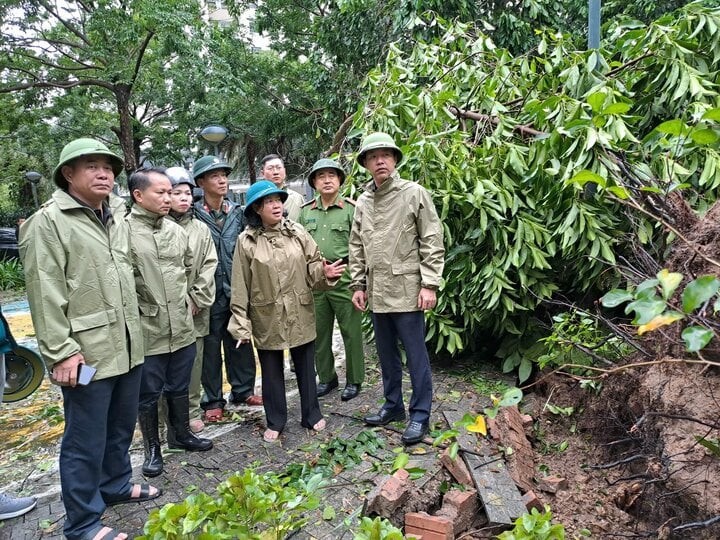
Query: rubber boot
{"points": [[165, 419], [148, 420], [179, 415]]}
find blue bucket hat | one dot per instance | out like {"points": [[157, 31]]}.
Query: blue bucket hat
{"points": [[261, 189]]}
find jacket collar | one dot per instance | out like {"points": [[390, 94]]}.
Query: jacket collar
{"points": [[146, 216], [183, 219], [388, 185], [317, 202], [284, 227]]}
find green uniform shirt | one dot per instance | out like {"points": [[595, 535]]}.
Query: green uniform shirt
{"points": [[330, 228]]}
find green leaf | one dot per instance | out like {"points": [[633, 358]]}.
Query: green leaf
{"points": [[696, 337], [511, 396], [616, 297], [525, 370], [699, 291], [620, 192], [712, 114], [585, 176], [672, 127], [645, 310], [401, 460], [711, 445], [704, 136], [617, 108], [596, 101], [328, 513]]}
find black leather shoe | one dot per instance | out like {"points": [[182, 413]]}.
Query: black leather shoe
{"points": [[384, 417], [351, 391], [323, 389], [414, 432]]}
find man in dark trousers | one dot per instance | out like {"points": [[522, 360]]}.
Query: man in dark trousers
{"points": [[226, 221]]}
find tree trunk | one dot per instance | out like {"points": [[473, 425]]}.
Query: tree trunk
{"points": [[250, 155], [122, 98]]}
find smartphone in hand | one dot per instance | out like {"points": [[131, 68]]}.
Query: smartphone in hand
{"points": [[85, 374]]}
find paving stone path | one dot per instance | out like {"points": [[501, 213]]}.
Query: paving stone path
{"points": [[238, 444]]}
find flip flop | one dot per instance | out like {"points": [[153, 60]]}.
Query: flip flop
{"points": [[143, 496]]}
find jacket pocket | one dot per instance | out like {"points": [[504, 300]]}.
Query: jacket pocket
{"points": [[306, 298], [405, 268], [93, 320], [148, 310]]}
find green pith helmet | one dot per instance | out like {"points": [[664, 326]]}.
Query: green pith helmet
{"points": [[260, 189], [179, 175], [378, 140], [84, 147], [325, 163], [209, 163]]}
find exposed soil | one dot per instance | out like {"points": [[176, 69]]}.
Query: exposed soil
{"points": [[632, 461]]}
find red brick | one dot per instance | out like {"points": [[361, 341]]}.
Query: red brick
{"points": [[430, 527], [552, 484], [531, 501], [402, 475], [457, 468], [390, 493], [461, 507]]}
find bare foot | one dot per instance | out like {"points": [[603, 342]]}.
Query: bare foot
{"points": [[136, 491], [270, 435], [320, 425], [103, 533]]}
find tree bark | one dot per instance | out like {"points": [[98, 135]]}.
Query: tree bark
{"points": [[125, 135]]}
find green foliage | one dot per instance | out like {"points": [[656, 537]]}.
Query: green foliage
{"points": [[535, 526], [12, 276], [247, 505], [654, 305], [520, 225], [712, 445], [577, 338], [377, 529], [338, 454]]}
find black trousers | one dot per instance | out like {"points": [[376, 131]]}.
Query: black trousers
{"points": [[167, 372], [273, 386]]}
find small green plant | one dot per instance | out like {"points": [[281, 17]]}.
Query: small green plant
{"points": [[339, 454], [248, 505], [712, 445], [377, 529], [535, 526], [12, 276], [654, 306], [574, 334]]}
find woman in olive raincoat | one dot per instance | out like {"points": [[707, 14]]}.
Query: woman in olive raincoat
{"points": [[276, 266]]}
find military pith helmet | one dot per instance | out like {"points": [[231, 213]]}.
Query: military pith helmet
{"points": [[24, 372], [325, 163], [378, 140], [261, 189], [179, 175], [84, 147], [209, 163]]}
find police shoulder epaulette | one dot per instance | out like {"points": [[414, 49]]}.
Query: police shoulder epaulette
{"points": [[351, 201], [307, 203]]}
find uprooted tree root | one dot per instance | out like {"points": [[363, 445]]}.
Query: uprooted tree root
{"points": [[649, 424]]}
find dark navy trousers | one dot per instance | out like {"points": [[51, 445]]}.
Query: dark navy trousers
{"points": [[94, 460], [407, 328], [167, 372]]}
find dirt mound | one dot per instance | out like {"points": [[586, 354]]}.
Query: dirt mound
{"points": [[633, 454]]}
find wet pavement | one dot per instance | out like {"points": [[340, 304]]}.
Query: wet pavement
{"points": [[238, 445]]}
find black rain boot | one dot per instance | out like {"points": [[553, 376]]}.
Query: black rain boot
{"points": [[179, 414], [169, 430], [148, 420]]}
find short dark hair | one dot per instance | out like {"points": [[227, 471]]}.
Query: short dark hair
{"points": [[140, 179], [270, 157]]}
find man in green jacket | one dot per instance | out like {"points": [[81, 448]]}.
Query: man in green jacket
{"points": [[201, 281], [162, 259], [396, 263], [272, 168], [328, 219], [225, 221], [84, 307]]}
